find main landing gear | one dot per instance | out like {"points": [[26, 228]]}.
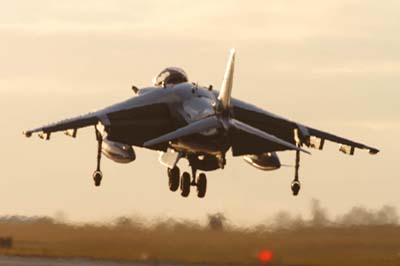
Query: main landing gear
{"points": [[173, 178], [185, 181], [98, 175], [296, 183]]}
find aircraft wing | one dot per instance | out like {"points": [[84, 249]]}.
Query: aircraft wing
{"points": [[132, 122], [347, 146], [290, 131], [69, 125]]}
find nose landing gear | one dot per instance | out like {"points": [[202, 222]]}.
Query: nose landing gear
{"points": [[201, 185], [173, 178], [185, 184], [185, 181]]}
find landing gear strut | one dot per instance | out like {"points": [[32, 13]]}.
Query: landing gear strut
{"points": [[98, 175], [296, 183], [194, 171], [221, 161]]}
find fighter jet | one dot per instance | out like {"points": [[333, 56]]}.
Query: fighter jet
{"points": [[184, 120]]}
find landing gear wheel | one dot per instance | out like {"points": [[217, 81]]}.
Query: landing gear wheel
{"points": [[185, 184], [201, 185], [295, 187], [97, 176], [173, 178]]}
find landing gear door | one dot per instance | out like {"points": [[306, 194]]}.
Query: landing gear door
{"points": [[170, 158]]}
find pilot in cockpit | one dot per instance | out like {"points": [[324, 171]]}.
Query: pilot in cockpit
{"points": [[170, 76]]}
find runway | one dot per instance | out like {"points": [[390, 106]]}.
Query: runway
{"points": [[35, 261]]}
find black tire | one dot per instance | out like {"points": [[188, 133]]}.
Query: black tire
{"points": [[173, 178], [201, 185], [185, 184], [97, 176], [295, 187]]}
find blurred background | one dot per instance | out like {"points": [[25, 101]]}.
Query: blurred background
{"points": [[333, 65]]}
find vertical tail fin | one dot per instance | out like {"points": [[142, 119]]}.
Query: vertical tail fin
{"points": [[224, 96]]}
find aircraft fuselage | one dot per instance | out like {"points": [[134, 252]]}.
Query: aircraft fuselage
{"points": [[172, 107]]}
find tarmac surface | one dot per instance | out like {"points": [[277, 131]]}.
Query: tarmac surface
{"points": [[35, 261]]}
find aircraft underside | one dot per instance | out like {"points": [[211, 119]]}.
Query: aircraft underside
{"points": [[202, 152], [183, 120]]}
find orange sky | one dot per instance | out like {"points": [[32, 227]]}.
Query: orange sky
{"points": [[333, 65]]}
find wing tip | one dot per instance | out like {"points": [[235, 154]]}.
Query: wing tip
{"points": [[27, 133], [373, 151]]}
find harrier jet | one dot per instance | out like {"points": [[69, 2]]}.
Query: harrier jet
{"points": [[182, 119]]}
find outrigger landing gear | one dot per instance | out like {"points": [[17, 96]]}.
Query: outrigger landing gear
{"points": [[98, 175], [296, 183]]}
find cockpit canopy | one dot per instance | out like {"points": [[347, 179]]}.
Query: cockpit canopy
{"points": [[170, 75]]}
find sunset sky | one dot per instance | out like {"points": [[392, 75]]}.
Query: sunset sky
{"points": [[333, 65]]}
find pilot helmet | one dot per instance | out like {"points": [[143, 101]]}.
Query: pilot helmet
{"points": [[170, 75]]}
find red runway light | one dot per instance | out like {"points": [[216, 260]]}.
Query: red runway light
{"points": [[265, 255]]}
